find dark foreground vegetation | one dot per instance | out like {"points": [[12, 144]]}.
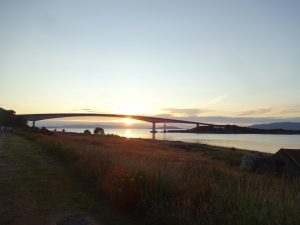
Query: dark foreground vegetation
{"points": [[161, 182], [9, 119], [37, 189]]}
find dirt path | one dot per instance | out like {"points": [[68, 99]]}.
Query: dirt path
{"points": [[37, 190]]}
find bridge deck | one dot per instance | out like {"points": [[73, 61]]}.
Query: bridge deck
{"points": [[46, 116]]}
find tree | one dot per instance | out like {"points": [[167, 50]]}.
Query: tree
{"points": [[44, 130], [99, 130], [87, 132], [10, 119]]}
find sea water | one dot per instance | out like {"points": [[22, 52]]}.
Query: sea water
{"points": [[259, 142]]}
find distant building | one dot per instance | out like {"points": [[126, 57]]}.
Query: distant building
{"points": [[286, 161]]}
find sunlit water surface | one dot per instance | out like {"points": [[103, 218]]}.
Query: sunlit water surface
{"points": [[259, 142]]}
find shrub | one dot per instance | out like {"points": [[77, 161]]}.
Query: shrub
{"points": [[44, 130], [87, 132], [99, 130]]}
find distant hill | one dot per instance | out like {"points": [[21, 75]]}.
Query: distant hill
{"points": [[279, 125]]}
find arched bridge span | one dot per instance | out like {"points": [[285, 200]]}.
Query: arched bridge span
{"points": [[153, 120]]}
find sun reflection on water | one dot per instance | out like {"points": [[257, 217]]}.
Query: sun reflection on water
{"points": [[128, 133]]}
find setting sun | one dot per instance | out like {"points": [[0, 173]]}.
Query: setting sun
{"points": [[128, 121]]}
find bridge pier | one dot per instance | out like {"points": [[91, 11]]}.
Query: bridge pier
{"points": [[198, 124], [153, 136], [33, 123], [153, 128], [153, 131], [165, 130]]}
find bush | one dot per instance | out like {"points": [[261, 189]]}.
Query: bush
{"points": [[44, 130], [87, 132], [99, 130], [9, 118]]}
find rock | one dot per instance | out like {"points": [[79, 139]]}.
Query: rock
{"points": [[251, 161]]}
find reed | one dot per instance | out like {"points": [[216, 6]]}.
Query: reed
{"points": [[160, 183]]}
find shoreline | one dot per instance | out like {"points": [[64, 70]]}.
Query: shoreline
{"points": [[249, 142], [183, 143]]}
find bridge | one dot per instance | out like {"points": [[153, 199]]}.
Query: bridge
{"points": [[154, 120]]}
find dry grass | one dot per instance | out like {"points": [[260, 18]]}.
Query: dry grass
{"points": [[166, 183], [35, 189]]}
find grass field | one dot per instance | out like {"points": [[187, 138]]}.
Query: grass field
{"points": [[161, 182], [36, 189]]}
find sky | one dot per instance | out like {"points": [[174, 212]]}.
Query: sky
{"points": [[232, 61]]}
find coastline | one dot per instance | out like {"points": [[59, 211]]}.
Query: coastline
{"points": [[253, 142]]}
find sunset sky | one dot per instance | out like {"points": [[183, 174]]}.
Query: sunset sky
{"points": [[213, 59]]}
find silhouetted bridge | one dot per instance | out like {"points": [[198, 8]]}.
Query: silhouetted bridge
{"points": [[154, 120]]}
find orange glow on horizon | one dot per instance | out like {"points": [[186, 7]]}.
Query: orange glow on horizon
{"points": [[128, 121], [129, 110]]}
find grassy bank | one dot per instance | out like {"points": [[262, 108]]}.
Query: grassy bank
{"points": [[37, 189], [160, 182]]}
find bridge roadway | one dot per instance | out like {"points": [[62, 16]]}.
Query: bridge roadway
{"points": [[153, 120]]}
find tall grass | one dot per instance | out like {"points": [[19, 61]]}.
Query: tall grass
{"points": [[162, 184]]}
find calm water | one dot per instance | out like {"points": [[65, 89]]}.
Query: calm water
{"points": [[259, 142]]}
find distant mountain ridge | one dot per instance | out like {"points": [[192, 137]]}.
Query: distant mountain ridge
{"points": [[278, 125]]}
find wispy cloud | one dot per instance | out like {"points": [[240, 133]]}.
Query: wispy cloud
{"points": [[258, 111], [164, 115], [288, 111], [183, 111], [291, 110], [195, 111], [88, 110], [214, 100]]}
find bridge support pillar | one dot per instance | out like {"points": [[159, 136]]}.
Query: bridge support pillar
{"points": [[153, 131], [198, 124], [165, 130], [33, 123], [153, 128]]}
